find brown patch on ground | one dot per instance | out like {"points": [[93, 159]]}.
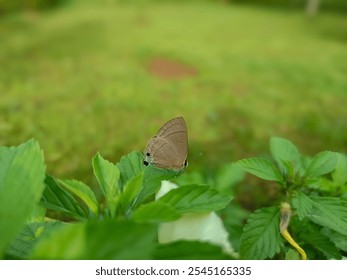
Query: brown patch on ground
{"points": [[168, 69]]}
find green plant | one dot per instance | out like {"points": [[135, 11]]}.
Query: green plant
{"points": [[125, 217], [314, 189], [122, 224]]}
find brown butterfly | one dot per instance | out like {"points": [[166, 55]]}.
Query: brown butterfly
{"points": [[169, 148]]}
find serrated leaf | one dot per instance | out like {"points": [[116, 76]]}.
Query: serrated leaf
{"points": [[107, 175], [340, 173], [131, 190], [321, 243], [130, 166], [22, 172], [156, 211], [262, 168], [322, 163], [83, 192], [58, 199], [330, 212], [285, 153], [189, 250], [303, 204], [261, 238], [195, 198]]}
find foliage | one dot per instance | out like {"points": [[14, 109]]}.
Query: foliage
{"points": [[123, 223], [302, 181], [114, 227]]}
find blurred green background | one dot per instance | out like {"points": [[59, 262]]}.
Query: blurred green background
{"points": [[88, 76]]}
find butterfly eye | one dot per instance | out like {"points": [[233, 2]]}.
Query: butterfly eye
{"points": [[145, 163], [148, 154]]}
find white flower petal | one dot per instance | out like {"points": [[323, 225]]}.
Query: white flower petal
{"points": [[194, 226]]}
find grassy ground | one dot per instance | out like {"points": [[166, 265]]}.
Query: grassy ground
{"points": [[77, 80]]}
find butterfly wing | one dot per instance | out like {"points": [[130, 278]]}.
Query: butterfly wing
{"points": [[169, 148]]}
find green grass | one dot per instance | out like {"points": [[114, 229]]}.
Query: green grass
{"points": [[76, 80]]}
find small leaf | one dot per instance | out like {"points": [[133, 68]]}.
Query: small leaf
{"points": [[83, 192], [262, 168], [156, 211], [261, 238], [107, 175], [58, 199], [130, 166], [22, 172], [189, 250], [322, 163], [330, 212], [152, 181], [303, 204], [195, 198], [285, 152], [131, 190]]}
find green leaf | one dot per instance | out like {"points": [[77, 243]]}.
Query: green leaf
{"points": [[321, 243], [195, 198], [330, 212], [152, 181], [261, 238], [83, 192], [322, 163], [303, 204], [131, 190], [340, 174], [22, 172], [292, 255], [285, 153], [130, 166], [107, 175], [189, 250], [337, 238], [58, 199], [156, 211], [21, 246], [262, 168]]}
